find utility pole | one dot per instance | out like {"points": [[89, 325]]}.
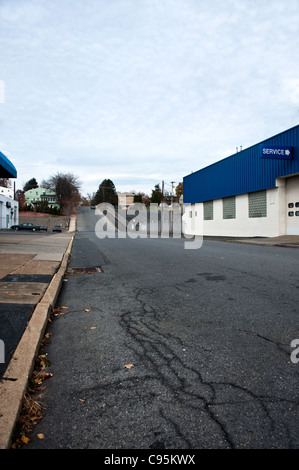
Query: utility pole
{"points": [[171, 213], [162, 203]]}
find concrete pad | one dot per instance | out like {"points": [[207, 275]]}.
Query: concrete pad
{"points": [[49, 256], [56, 240], [15, 378], [35, 266], [283, 240], [21, 292], [10, 262]]}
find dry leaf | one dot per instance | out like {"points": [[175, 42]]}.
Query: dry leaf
{"points": [[87, 309], [40, 436], [40, 376], [63, 307], [93, 327], [25, 439], [129, 366]]}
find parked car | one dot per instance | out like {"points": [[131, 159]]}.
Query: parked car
{"points": [[25, 226], [56, 228], [43, 227]]}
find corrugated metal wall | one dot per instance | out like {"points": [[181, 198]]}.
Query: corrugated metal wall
{"points": [[243, 172]]}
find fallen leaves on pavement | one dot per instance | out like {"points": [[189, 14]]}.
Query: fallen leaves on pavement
{"points": [[32, 408]]}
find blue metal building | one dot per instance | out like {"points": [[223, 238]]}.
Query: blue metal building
{"points": [[254, 192], [245, 171]]}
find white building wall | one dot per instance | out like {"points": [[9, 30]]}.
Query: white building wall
{"points": [[242, 226], [8, 192], [292, 205], [9, 212]]}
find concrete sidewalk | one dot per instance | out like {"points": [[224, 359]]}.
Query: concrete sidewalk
{"points": [[291, 241], [32, 267]]}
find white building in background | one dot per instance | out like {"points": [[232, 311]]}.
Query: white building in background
{"points": [[8, 192], [9, 211], [125, 200]]}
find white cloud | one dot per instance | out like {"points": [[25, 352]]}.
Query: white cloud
{"points": [[141, 90]]}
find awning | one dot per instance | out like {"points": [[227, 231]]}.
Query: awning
{"points": [[7, 169]]}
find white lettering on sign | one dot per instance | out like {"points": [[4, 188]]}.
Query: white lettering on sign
{"points": [[275, 151]]}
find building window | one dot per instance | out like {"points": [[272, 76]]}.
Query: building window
{"points": [[257, 204], [208, 210], [229, 207]]}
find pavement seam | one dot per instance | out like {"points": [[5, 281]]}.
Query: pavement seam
{"points": [[23, 265]]}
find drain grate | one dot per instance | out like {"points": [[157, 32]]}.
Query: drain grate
{"points": [[93, 270]]}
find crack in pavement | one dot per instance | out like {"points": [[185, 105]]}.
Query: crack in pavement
{"points": [[170, 388], [171, 370], [159, 351]]}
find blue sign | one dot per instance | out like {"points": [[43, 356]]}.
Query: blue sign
{"points": [[278, 152]]}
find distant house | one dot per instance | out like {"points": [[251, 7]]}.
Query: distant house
{"points": [[125, 199], [34, 197]]}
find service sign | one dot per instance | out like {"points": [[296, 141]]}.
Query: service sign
{"points": [[278, 152]]}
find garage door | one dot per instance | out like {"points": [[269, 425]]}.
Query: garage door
{"points": [[292, 191]]}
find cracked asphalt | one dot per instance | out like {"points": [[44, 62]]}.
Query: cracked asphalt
{"points": [[208, 333]]}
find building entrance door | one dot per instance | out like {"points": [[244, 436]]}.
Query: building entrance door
{"points": [[292, 193]]}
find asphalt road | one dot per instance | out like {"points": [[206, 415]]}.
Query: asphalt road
{"points": [[205, 336]]}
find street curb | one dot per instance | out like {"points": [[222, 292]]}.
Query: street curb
{"points": [[14, 381]]}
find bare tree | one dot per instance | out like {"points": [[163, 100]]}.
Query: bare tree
{"points": [[5, 182], [66, 186]]}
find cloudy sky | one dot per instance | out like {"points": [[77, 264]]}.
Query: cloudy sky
{"points": [[141, 91]]}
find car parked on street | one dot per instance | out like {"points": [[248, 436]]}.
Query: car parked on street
{"points": [[43, 227], [25, 226], [57, 228]]}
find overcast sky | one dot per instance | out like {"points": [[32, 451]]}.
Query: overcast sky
{"points": [[141, 91]]}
